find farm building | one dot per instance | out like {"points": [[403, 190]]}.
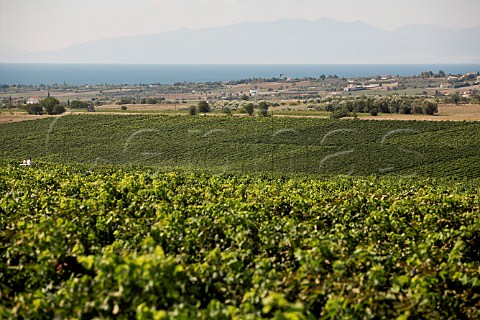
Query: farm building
{"points": [[34, 100]]}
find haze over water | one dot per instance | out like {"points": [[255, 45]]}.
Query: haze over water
{"points": [[80, 74]]}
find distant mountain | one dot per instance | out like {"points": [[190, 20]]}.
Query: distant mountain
{"points": [[9, 53], [281, 42]]}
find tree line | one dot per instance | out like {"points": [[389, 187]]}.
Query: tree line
{"points": [[48, 105], [249, 108], [53, 106], [376, 105]]}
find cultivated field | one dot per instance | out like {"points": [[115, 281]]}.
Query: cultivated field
{"points": [[250, 144], [157, 216], [82, 242]]}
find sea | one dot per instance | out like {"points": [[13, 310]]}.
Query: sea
{"points": [[91, 74]]}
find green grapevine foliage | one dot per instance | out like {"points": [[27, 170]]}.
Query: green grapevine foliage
{"points": [[78, 241], [250, 144]]}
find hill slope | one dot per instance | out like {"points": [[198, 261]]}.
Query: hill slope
{"points": [[280, 42]]}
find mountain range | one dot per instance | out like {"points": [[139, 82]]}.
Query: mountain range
{"points": [[288, 41]]}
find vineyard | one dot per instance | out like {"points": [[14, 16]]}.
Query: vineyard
{"points": [[286, 146], [182, 217], [109, 241]]}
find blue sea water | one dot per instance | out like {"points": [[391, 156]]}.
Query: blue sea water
{"points": [[80, 74]]}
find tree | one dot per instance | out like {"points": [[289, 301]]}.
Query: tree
{"points": [[429, 107], [456, 97], [426, 74], [126, 100], [394, 105], [405, 107], [58, 109], [381, 105], [203, 106], [417, 107], [263, 108], [153, 101], [249, 107], [192, 110], [76, 104], [340, 113], [357, 105], [49, 104], [34, 109]]}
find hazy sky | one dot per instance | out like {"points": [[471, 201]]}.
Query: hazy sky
{"points": [[51, 24]]}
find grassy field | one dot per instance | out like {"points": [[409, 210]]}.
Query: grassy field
{"points": [[280, 145]]}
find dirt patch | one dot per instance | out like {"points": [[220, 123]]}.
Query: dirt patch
{"points": [[10, 117], [144, 107], [7, 117], [466, 111]]}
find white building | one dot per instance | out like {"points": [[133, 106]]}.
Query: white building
{"points": [[352, 87], [33, 100]]}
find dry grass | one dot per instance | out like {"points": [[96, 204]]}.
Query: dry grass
{"points": [[144, 107], [446, 112], [462, 112], [6, 117]]}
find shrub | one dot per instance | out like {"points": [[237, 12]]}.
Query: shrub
{"points": [[192, 110], [58, 109], [48, 104], [417, 108], [34, 109], [203, 106], [340, 113], [249, 107], [263, 108], [429, 107], [405, 108], [77, 104]]}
